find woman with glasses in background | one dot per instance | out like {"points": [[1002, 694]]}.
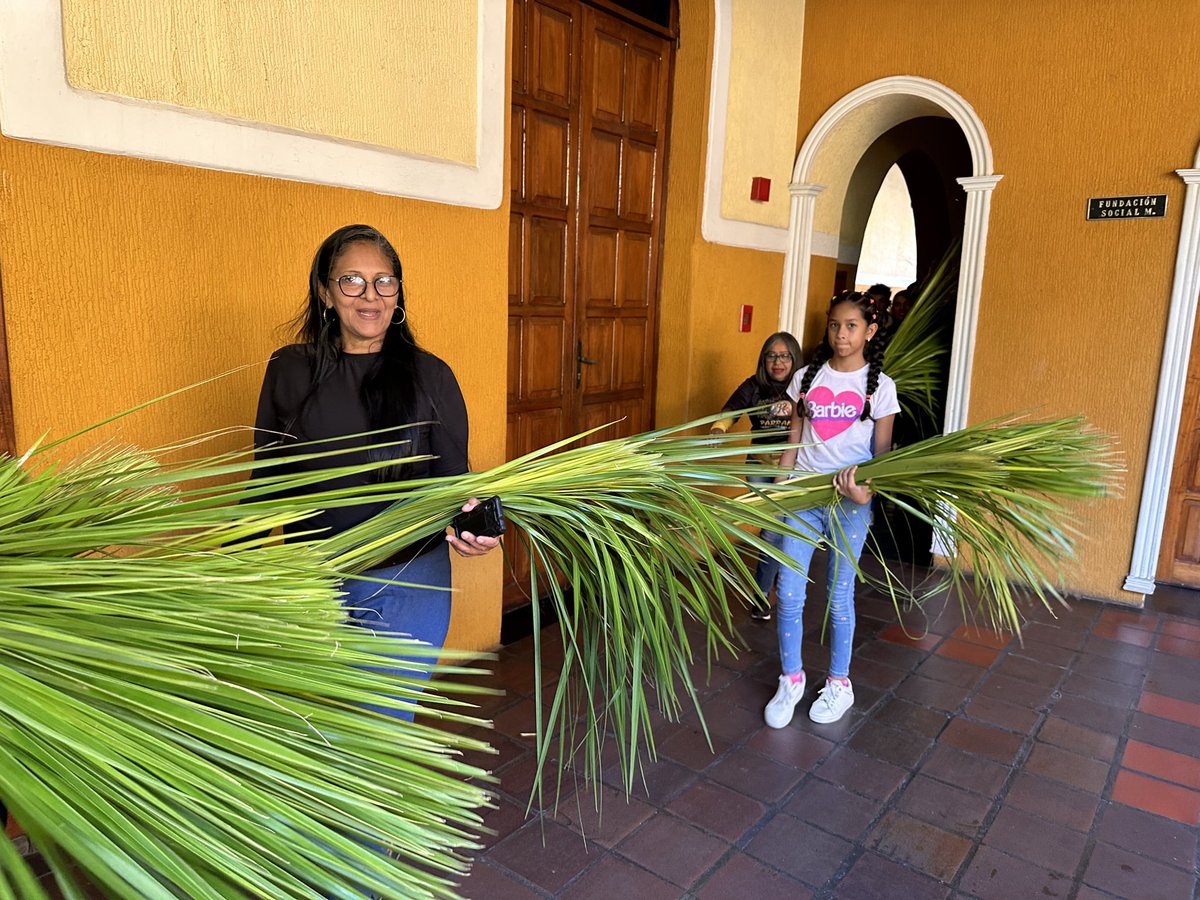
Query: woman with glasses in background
{"points": [[767, 387], [358, 369]]}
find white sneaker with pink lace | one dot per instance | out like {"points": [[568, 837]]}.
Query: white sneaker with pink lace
{"points": [[783, 705]]}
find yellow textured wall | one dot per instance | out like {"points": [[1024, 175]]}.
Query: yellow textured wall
{"points": [[702, 357], [124, 278], [1073, 313], [396, 75], [764, 88]]}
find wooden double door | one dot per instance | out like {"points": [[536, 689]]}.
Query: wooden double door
{"points": [[589, 114]]}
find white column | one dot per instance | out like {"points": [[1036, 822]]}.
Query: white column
{"points": [[1172, 378], [798, 257], [966, 314], [970, 281]]}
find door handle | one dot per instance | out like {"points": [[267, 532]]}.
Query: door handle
{"points": [[580, 362]]}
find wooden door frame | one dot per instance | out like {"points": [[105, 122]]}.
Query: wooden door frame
{"points": [[1172, 382], [8, 438]]}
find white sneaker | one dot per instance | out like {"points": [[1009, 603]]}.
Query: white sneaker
{"points": [[832, 702], [779, 711]]}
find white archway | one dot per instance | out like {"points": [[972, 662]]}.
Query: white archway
{"points": [[1172, 379], [851, 125]]}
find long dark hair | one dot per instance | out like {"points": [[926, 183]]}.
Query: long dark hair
{"points": [[873, 315], [767, 386], [390, 388]]}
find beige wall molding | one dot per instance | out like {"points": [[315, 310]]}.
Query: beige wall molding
{"points": [[846, 130], [1172, 381], [38, 104], [714, 227]]}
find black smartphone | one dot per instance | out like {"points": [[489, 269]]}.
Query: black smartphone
{"points": [[485, 520]]}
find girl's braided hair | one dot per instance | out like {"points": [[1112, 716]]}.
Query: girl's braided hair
{"points": [[873, 315]]}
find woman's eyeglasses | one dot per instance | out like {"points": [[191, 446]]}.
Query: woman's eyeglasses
{"points": [[780, 357], [356, 285]]}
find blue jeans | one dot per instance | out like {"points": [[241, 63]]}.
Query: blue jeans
{"points": [[849, 534], [768, 567], [420, 612]]}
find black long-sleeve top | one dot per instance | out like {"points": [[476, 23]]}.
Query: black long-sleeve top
{"points": [[778, 415], [336, 410]]}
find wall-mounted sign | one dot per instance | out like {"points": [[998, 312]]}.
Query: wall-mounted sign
{"points": [[1143, 206]]}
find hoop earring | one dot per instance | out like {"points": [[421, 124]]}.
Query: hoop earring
{"points": [[326, 318], [403, 316]]}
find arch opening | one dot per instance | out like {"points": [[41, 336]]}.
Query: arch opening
{"points": [[839, 155]]}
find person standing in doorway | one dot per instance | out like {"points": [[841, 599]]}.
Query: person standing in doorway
{"points": [[845, 407]]}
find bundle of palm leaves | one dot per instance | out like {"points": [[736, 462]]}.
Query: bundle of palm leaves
{"points": [[994, 493], [184, 710], [917, 351], [179, 717], [642, 547]]}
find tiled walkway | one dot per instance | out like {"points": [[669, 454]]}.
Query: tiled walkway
{"points": [[971, 766]]}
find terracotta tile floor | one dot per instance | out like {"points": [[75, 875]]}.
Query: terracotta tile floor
{"points": [[972, 765]]}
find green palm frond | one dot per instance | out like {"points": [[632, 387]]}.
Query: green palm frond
{"points": [[996, 495], [645, 548], [915, 357], [636, 551], [180, 718], [182, 704]]}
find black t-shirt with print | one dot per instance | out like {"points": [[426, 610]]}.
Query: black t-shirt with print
{"points": [[777, 415]]}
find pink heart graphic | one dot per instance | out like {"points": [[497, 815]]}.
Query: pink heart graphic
{"points": [[832, 415]]}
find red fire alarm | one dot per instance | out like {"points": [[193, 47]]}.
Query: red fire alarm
{"points": [[760, 189], [746, 317]]}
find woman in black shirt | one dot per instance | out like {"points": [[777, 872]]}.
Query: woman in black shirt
{"points": [[778, 360], [359, 369]]}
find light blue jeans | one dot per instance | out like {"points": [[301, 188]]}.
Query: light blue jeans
{"points": [[768, 567], [421, 612], [845, 526]]}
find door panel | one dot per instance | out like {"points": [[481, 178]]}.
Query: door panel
{"points": [[607, 77], [600, 347], [1179, 561], [596, 415], [589, 130], [631, 355], [547, 140], [644, 89], [601, 283], [517, 154], [543, 339], [635, 270], [637, 182], [553, 32], [548, 264], [514, 352], [604, 151]]}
